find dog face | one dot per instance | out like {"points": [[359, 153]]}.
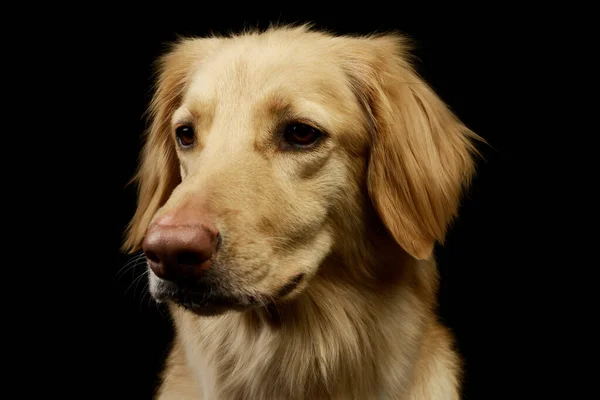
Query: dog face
{"points": [[268, 152]]}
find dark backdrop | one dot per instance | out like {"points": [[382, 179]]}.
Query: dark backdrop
{"points": [[471, 60]]}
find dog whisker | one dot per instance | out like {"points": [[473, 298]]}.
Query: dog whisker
{"points": [[136, 281], [132, 264]]}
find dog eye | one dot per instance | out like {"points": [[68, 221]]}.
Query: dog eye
{"points": [[185, 135], [301, 135]]}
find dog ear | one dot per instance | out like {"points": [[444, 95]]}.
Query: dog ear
{"points": [[158, 172], [421, 155]]}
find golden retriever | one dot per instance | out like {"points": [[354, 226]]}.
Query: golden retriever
{"points": [[292, 187]]}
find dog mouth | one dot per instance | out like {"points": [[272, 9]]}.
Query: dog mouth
{"points": [[290, 286], [204, 300], [211, 299]]}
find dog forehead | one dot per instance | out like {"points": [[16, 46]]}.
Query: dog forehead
{"points": [[249, 68]]}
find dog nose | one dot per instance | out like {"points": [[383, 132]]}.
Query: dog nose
{"points": [[180, 251]]}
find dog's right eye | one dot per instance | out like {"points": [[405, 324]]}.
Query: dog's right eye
{"points": [[185, 135]]}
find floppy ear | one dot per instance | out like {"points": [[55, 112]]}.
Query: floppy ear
{"points": [[158, 172], [421, 155]]}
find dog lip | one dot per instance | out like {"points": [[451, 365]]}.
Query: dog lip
{"points": [[209, 300], [209, 309], [204, 301], [291, 285]]}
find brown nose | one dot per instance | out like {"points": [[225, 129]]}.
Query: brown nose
{"points": [[179, 250]]}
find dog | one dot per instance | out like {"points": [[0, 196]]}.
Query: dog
{"points": [[291, 189]]}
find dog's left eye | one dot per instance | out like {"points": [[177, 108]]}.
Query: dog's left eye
{"points": [[301, 135], [185, 135]]}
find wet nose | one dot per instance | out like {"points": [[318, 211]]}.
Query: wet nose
{"points": [[180, 250]]}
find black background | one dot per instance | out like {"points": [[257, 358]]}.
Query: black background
{"points": [[480, 62]]}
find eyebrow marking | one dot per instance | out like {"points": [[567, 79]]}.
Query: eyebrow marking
{"points": [[182, 116]]}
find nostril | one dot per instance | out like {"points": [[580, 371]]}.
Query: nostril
{"points": [[190, 258], [150, 255]]}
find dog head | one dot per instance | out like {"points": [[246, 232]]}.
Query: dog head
{"points": [[267, 152]]}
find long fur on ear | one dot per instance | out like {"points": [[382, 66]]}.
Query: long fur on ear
{"points": [[158, 173], [421, 156]]}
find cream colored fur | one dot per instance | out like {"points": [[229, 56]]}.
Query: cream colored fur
{"points": [[359, 215]]}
